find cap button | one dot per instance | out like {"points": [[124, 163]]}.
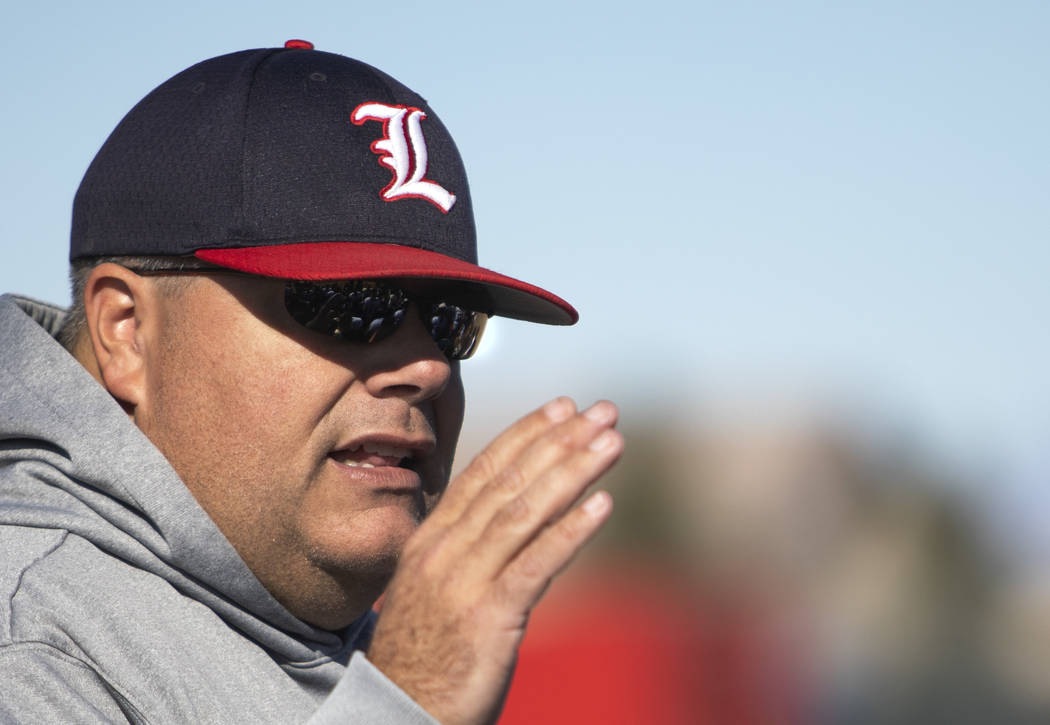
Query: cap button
{"points": [[294, 43]]}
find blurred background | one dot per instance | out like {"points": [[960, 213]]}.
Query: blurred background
{"points": [[809, 246]]}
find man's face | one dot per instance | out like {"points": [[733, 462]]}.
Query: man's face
{"points": [[316, 458]]}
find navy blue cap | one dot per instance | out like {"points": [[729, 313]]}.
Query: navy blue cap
{"points": [[294, 163]]}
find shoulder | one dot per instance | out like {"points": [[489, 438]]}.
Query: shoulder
{"points": [[88, 623], [52, 678], [63, 590], [24, 548]]}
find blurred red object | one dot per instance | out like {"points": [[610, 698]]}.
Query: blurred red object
{"points": [[630, 645]]}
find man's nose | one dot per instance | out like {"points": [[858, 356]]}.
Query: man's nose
{"points": [[408, 364]]}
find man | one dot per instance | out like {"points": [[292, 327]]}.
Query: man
{"points": [[275, 281]]}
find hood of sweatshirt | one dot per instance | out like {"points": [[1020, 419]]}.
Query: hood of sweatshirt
{"points": [[87, 468]]}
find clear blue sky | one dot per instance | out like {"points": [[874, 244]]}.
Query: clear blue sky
{"points": [[844, 202]]}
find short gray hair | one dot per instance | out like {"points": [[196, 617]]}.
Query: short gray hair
{"points": [[75, 323]]}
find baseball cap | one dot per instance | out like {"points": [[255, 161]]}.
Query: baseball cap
{"points": [[300, 164]]}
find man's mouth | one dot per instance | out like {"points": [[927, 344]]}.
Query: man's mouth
{"points": [[373, 455]]}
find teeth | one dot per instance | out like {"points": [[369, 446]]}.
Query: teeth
{"points": [[376, 449]]}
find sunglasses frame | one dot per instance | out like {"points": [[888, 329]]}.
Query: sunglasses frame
{"points": [[323, 317]]}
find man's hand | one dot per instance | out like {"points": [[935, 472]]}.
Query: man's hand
{"points": [[456, 609]]}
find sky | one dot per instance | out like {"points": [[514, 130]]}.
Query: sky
{"points": [[758, 205]]}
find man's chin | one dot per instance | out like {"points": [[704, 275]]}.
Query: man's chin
{"points": [[367, 547]]}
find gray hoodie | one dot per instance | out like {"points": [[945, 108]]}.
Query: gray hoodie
{"points": [[120, 600]]}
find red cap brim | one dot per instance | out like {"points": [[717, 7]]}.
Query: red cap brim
{"points": [[502, 295]]}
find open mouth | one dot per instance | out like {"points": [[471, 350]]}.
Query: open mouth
{"points": [[373, 455]]}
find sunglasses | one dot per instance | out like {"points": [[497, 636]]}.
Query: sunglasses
{"points": [[365, 311], [368, 311]]}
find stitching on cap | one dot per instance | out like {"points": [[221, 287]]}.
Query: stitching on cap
{"points": [[254, 72]]}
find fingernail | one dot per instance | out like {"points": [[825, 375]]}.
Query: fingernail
{"points": [[606, 440], [559, 409], [600, 412], [598, 504]]}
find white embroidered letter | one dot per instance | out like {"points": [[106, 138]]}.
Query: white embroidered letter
{"points": [[404, 151]]}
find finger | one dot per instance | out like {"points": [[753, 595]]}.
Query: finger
{"points": [[498, 455], [520, 519], [549, 450], [527, 576]]}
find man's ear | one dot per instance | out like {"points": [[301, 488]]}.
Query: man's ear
{"points": [[120, 305]]}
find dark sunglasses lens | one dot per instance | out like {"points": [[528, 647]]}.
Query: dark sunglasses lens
{"points": [[354, 311], [455, 330], [366, 311]]}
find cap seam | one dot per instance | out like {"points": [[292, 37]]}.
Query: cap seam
{"points": [[246, 177]]}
